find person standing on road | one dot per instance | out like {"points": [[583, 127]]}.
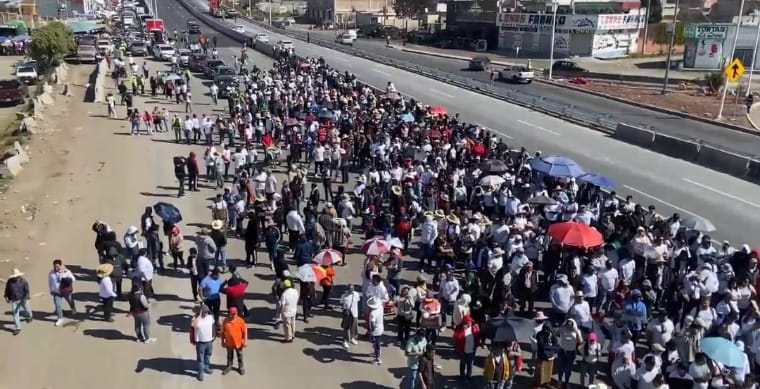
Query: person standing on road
{"points": [[211, 288], [177, 127], [180, 172], [376, 327], [144, 271], [202, 335], [234, 339], [17, 294], [106, 290], [61, 284], [349, 301], [138, 309], [289, 309], [415, 349], [192, 172]]}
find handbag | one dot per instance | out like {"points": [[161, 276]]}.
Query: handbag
{"points": [[348, 318]]}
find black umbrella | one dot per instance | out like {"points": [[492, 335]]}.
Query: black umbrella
{"points": [[168, 212], [325, 114], [503, 330], [494, 166]]}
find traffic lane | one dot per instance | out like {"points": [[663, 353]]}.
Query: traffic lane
{"points": [[668, 124], [669, 190], [176, 17]]}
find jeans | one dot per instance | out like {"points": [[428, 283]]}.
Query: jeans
{"points": [[465, 364], [413, 377], [231, 352], [215, 307], [427, 255], [220, 257], [142, 325], [107, 307], [404, 328], [496, 385], [588, 369], [203, 356], [58, 303], [16, 308], [566, 359], [375, 340], [135, 128]]}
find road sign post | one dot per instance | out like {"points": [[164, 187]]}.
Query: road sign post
{"points": [[734, 70]]}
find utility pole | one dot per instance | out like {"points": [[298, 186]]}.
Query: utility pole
{"points": [[754, 54], [646, 26], [270, 12], [731, 58], [555, 5], [673, 27]]}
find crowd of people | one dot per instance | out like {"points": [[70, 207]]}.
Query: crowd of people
{"points": [[493, 230]]}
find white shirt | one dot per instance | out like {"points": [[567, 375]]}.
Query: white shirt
{"points": [[145, 268], [376, 322], [289, 302], [645, 377], [295, 221], [350, 301], [270, 185], [105, 288], [608, 279], [204, 328]]}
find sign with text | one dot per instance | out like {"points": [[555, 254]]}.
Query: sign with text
{"points": [[707, 31], [621, 22]]}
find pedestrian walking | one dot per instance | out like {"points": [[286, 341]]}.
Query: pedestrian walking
{"points": [[288, 310], [139, 311], [202, 335], [234, 339], [349, 301], [376, 327], [61, 285], [17, 294], [106, 290], [466, 342]]}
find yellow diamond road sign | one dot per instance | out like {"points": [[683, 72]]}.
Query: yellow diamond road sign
{"points": [[735, 70]]}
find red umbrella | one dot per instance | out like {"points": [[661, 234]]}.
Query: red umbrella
{"points": [[438, 111], [376, 246], [434, 134], [575, 234]]}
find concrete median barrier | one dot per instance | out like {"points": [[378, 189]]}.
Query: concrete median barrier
{"points": [[12, 166], [723, 161], [634, 135], [675, 147], [753, 170]]}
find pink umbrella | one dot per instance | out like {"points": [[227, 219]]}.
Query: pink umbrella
{"points": [[376, 246], [328, 257]]}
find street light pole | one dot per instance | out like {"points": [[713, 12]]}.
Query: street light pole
{"points": [[646, 27], [554, 29], [731, 58], [670, 50], [270, 12], [754, 55]]}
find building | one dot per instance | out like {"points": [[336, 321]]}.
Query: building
{"points": [[595, 35], [708, 45], [474, 20], [343, 12]]}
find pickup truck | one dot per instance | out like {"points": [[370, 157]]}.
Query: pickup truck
{"points": [[517, 74], [27, 74], [13, 92], [87, 54]]}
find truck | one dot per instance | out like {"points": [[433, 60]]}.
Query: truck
{"points": [[155, 25], [215, 9], [517, 74]]}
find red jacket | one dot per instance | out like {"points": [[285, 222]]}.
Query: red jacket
{"points": [[459, 337]]}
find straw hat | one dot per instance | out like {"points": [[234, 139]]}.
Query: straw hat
{"points": [[346, 197], [217, 225], [104, 270], [453, 219], [16, 273], [539, 316], [373, 303], [396, 190], [439, 214]]}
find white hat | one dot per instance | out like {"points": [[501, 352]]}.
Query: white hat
{"points": [[285, 273], [16, 273], [131, 230], [217, 224]]}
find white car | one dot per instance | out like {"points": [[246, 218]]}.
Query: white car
{"points": [[263, 38], [285, 45], [184, 56], [517, 74], [27, 74], [345, 39], [163, 52], [239, 28], [104, 45]]}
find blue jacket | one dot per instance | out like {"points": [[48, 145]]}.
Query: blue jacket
{"points": [[304, 253]]}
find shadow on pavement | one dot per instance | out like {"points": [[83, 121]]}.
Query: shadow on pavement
{"points": [[148, 194], [175, 366], [178, 322], [330, 355], [322, 336], [364, 385], [108, 334], [82, 273]]}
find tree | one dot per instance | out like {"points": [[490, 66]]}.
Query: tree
{"points": [[51, 43], [655, 10], [413, 8], [662, 35]]}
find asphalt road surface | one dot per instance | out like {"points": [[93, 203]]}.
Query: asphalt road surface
{"points": [[670, 184], [668, 124]]}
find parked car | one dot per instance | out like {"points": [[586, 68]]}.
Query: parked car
{"points": [[184, 57], [163, 52], [27, 74], [567, 68], [104, 45], [346, 39], [239, 28], [223, 70], [87, 54], [138, 49], [211, 66], [479, 63], [517, 74], [197, 63], [13, 92]]}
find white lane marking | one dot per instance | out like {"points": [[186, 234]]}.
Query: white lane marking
{"points": [[645, 194], [498, 132], [523, 122], [722, 193], [381, 72], [436, 91]]}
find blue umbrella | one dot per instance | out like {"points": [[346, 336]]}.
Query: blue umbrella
{"points": [[21, 38], [169, 213], [724, 351], [407, 118], [598, 180], [557, 166]]}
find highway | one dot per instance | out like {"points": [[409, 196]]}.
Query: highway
{"points": [[670, 184], [747, 144]]}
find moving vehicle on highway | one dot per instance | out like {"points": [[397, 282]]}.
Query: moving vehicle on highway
{"points": [[517, 73], [347, 37], [479, 63], [239, 28], [227, 85], [193, 27], [284, 45], [87, 54], [163, 52], [184, 57], [138, 49], [263, 38]]}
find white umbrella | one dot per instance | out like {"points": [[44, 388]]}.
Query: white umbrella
{"points": [[328, 257], [306, 273], [173, 77], [491, 181], [697, 223], [396, 242]]}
